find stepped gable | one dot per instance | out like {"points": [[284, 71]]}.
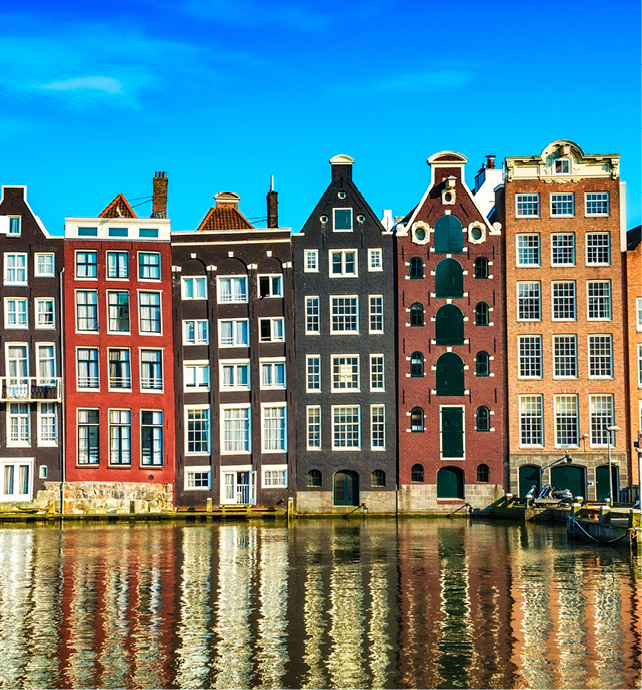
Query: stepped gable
{"points": [[225, 215], [119, 208]]}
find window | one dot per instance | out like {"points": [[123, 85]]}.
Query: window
{"points": [[118, 232], [311, 260], [566, 423], [148, 233], [342, 219], [47, 424], [196, 376], [14, 226], [18, 371], [44, 266], [313, 373], [528, 250], [15, 269], [45, 312], [88, 449], [345, 314], [638, 307], [530, 420], [119, 369], [275, 478], [118, 265], [346, 427], [449, 238], [86, 264], [375, 260], [149, 266], [416, 268], [481, 267], [417, 473], [564, 301], [46, 364], [87, 367], [378, 478], [416, 364], [118, 306], [597, 203], [87, 232], [343, 263], [527, 205], [270, 286], [598, 248], [640, 365], [18, 424], [197, 438], [530, 356], [120, 437], [151, 437], [601, 407], [345, 372], [449, 325], [562, 166], [235, 375], [483, 473], [482, 364], [197, 478], [482, 314], [416, 419], [314, 479], [313, 429], [563, 249], [272, 374], [151, 370], [565, 356], [377, 374], [599, 300], [482, 418], [234, 333], [15, 312], [86, 310], [600, 356], [196, 288], [312, 315], [378, 429], [449, 279], [271, 330], [16, 480], [563, 205], [529, 306], [236, 430], [274, 428], [150, 312], [376, 313], [195, 332], [416, 314]]}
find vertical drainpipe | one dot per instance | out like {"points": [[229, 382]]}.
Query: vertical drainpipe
{"points": [[62, 397]]}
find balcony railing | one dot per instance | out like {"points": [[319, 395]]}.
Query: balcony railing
{"points": [[30, 388]]}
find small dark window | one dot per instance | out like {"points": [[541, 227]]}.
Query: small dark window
{"points": [[378, 478], [416, 364], [482, 364], [482, 473], [481, 267], [483, 419], [417, 314], [416, 419], [481, 314], [417, 473], [416, 267], [314, 478]]}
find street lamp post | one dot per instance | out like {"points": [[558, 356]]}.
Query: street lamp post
{"points": [[611, 429]]}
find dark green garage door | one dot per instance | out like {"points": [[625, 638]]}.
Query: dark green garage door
{"points": [[450, 483], [346, 488], [571, 477], [602, 482], [529, 475]]}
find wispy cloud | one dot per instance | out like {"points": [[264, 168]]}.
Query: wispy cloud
{"points": [[411, 82], [106, 84]]}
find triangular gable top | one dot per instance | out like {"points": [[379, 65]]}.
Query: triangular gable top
{"points": [[119, 208], [224, 218]]}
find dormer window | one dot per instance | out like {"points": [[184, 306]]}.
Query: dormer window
{"points": [[342, 219], [562, 166]]}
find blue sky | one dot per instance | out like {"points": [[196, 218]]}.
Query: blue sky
{"points": [[222, 94]]}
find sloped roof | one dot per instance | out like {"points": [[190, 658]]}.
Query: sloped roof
{"points": [[633, 238], [119, 208], [225, 218]]}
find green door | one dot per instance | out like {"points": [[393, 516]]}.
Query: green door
{"points": [[449, 325], [572, 477], [450, 374], [448, 235], [450, 483], [602, 482], [529, 475], [452, 432], [346, 488], [449, 279]]}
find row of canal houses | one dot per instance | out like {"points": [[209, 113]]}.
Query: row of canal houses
{"points": [[402, 364]]}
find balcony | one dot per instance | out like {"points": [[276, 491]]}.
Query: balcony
{"points": [[30, 389]]}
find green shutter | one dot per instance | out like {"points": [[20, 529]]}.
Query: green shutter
{"points": [[449, 325], [450, 483], [452, 432], [450, 374], [449, 279], [448, 235]]}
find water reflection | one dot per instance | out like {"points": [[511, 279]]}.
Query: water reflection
{"points": [[428, 603]]}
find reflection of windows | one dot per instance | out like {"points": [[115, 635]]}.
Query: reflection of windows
{"points": [[378, 428], [88, 450], [194, 288], [117, 265], [601, 407], [119, 369], [236, 430], [197, 438], [313, 373], [599, 300], [120, 437], [566, 426], [312, 315], [151, 432], [118, 304], [345, 372], [150, 312], [563, 204], [345, 427], [565, 356], [271, 286], [274, 428], [345, 314], [86, 264], [86, 310], [233, 289], [530, 420], [87, 367], [600, 356], [234, 333], [313, 429], [44, 307], [377, 375], [195, 332], [151, 370], [272, 374], [530, 356], [271, 330], [597, 203]]}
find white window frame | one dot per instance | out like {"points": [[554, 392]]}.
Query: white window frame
{"points": [[16, 496], [592, 357], [312, 360], [90, 388], [562, 377], [638, 308], [19, 224], [524, 235], [129, 311], [14, 268], [235, 364], [187, 409], [347, 389], [154, 425], [522, 400], [202, 382], [610, 301], [640, 366], [41, 416], [374, 407], [520, 359], [196, 322], [563, 159], [117, 252], [313, 426], [234, 298], [41, 378], [234, 343], [518, 201], [160, 313], [271, 277], [139, 266], [86, 425], [85, 251], [554, 284], [608, 247], [271, 363], [274, 468], [310, 302], [7, 310], [343, 331], [235, 406], [373, 313], [587, 200], [334, 217], [40, 300], [194, 280], [555, 199], [539, 299], [197, 469], [154, 388], [343, 253], [381, 388], [36, 272], [76, 305], [565, 235], [334, 410], [119, 389], [592, 398], [272, 320], [311, 266], [556, 403], [375, 264], [9, 415], [270, 406]]}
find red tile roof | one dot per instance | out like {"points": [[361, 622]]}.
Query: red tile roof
{"points": [[119, 208], [225, 218]]}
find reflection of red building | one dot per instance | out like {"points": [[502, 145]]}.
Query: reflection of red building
{"points": [[118, 354]]}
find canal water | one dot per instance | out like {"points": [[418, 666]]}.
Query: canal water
{"points": [[320, 604]]}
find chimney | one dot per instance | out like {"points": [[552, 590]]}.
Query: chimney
{"points": [[159, 197], [341, 168], [490, 161], [272, 206], [227, 200]]}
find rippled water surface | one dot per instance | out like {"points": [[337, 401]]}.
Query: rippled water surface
{"points": [[319, 604]]}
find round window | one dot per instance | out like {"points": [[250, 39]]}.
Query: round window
{"points": [[342, 195], [420, 234], [324, 219], [476, 233], [448, 196], [361, 218]]}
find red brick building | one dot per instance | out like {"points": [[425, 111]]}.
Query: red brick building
{"points": [[450, 347], [634, 336]]}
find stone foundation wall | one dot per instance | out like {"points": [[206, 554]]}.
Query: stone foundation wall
{"points": [[422, 498], [47, 498], [323, 502], [94, 498]]}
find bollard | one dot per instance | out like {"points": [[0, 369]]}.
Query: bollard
{"points": [[508, 498], [605, 515], [576, 509], [208, 505], [634, 518]]}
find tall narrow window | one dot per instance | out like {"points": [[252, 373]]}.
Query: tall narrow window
{"points": [[377, 374], [564, 301], [529, 306], [313, 373], [149, 266], [482, 314], [481, 267], [565, 356], [120, 437], [566, 423], [416, 364], [118, 311], [417, 473], [151, 431], [376, 313], [563, 249], [598, 248], [449, 325], [197, 438], [236, 430], [313, 432], [150, 312], [118, 265], [151, 370], [528, 250], [601, 407], [346, 431], [312, 324], [416, 314], [483, 473], [119, 369], [47, 424], [599, 300], [530, 356], [87, 367], [482, 364], [449, 279], [416, 419], [450, 374], [600, 356], [18, 424], [416, 268], [87, 310], [46, 364], [449, 238], [45, 312], [274, 428], [88, 448], [530, 420], [378, 427], [483, 418], [86, 264]]}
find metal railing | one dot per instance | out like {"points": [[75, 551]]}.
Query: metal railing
{"points": [[30, 388]]}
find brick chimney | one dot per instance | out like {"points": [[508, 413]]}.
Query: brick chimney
{"points": [[272, 206], [159, 197], [341, 168], [227, 200]]}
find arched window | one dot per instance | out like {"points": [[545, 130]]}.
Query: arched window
{"points": [[483, 419], [378, 478], [417, 473], [449, 279], [416, 419], [482, 364], [449, 238], [483, 473], [416, 364], [450, 374], [481, 314], [481, 267], [416, 314], [416, 267], [449, 325], [314, 478]]}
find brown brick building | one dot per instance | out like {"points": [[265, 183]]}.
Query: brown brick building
{"points": [[634, 335], [566, 371]]}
